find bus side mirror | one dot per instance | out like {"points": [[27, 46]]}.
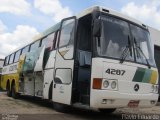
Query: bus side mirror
{"points": [[97, 28]]}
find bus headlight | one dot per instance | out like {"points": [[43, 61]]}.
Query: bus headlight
{"points": [[154, 88], [105, 84], [113, 85], [110, 84]]}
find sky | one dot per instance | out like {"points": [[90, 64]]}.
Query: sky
{"points": [[21, 20]]}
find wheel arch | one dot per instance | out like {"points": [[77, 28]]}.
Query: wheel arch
{"points": [[14, 90], [12, 83], [8, 88]]}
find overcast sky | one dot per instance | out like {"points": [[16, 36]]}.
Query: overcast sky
{"points": [[20, 20]]}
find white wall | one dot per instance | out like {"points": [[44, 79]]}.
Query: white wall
{"points": [[155, 35]]}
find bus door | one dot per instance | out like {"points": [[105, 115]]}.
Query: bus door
{"points": [[64, 64]]}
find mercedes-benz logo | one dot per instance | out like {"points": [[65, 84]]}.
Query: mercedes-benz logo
{"points": [[136, 87]]}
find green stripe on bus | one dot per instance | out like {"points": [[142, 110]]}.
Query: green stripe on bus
{"points": [[138, 77], [147, 76]]}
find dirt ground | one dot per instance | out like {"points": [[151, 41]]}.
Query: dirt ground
{"points": [[29, 108]]}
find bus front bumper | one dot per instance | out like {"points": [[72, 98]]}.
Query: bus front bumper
{"points": [[115, 99]]}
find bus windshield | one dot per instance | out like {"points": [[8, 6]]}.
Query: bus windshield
{"points": [[116, 38]]}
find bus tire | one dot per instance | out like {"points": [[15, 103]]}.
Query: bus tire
{"points": [[61, 107], [107, 111], [14, 93], [9, 93]]}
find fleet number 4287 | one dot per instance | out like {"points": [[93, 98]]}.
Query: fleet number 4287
{"points": [[115, 71]]}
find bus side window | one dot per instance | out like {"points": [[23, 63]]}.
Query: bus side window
{"points": [[11, 58], [44, 42], [67, 33], [48, 41], [25, 50], [35, 45], [17, 55], [6, 61], [56, 40]]}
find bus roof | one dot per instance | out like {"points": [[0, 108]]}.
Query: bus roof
{"points": [[82, 14], [108, 11]]}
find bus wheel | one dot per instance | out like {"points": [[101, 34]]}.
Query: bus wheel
{"points": [[14, 93], [9, 93], [61, 107], [107, 111]]}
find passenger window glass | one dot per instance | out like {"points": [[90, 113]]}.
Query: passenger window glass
{"points": [[6, 60], [25, 50], [56, 44], [67, 32], [48, 41], [18, 53], [34, 46], [11, 58]]}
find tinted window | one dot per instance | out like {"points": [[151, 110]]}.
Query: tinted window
{"points": [[48, 42], [26, 49], [6, 60], [34, 46], [17, 55], [11, 58], [57, 35], [67, 32]]}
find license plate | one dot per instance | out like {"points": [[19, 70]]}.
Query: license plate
{"points": [[133, 103]]}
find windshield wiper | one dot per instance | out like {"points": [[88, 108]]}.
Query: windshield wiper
{"points": [[140, 50], [126, 50]]}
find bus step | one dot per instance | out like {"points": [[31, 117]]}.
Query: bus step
{"points": [[85, 99], [80, 105]]}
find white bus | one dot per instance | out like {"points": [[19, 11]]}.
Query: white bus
{"points": [[99, 59]]}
